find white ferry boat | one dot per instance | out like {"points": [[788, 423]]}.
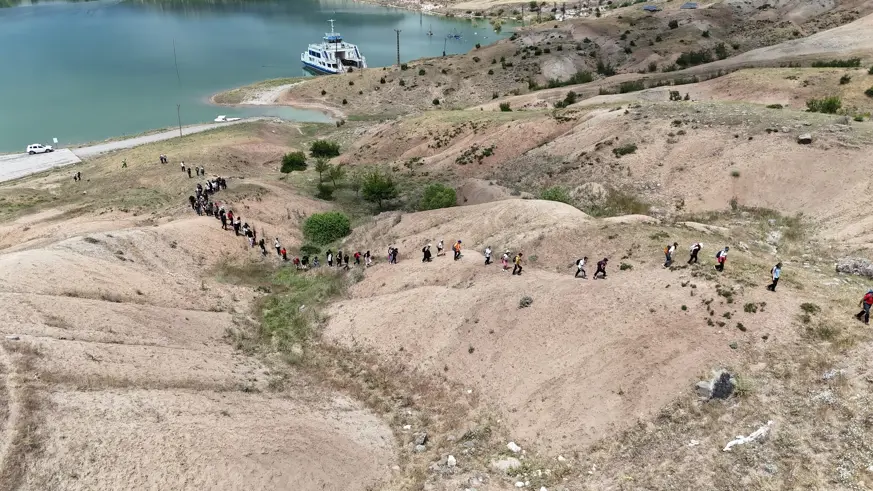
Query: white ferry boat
{"points": [[332, 55]]}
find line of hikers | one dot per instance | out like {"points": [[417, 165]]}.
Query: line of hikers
{"points": [[200, 200]]}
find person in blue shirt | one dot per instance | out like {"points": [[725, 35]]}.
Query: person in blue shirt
{"points": [[775, 273]]}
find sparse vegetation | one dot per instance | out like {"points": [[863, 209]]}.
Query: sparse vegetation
{"points": [[869, 92], [378, 187], [525, 302], [631, 86], [625, 267], [295, 161], [437, 196], [617, 202], [847, 63], [845, 79], [827, 105], [504, 107], [324, 228], [556, 193], [324, 148], [673, 24], [693, 58], [774, 106], [810, 308], [624, 149]]}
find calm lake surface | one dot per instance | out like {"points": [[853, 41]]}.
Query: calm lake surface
{"points": [[88, 71]]}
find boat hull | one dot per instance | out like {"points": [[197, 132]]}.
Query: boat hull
{"points": [[317, 70]]}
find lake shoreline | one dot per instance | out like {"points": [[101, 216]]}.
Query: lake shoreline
{"points": [[270, 93]]}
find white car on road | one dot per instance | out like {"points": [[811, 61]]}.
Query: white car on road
{"points": [[37, 148]]}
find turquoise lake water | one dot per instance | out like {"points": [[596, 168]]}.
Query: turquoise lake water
{"points": [[88, 71]]}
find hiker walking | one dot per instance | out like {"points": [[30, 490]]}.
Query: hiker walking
{"points": [[339, 259], [775, 273], [237, 225], [263, 246], [189, 173], [721, 258], [278, 247], [346, 261], [505, 260], [440, 248], [668, 252], [124, 164], [866, 302], [285, 258], [487, 255], [580, 268], [695, 249], [457, 249], [368, 260], [329, 257], [425, 254], [601, 268], [517, 269], [357, 258], [304, 263], [183, 166], [223, 218]]}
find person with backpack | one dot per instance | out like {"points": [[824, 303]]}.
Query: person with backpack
{"points": [[440, 248], [263, 246], [775, 273], [517, 269], [668, 253], [505, 260], [695, 249], [580, 268], [487, 255], [425, 251], [721, 258], [601, 268], [285, 258], [866, 302], [368, 259], [357, 258], [346, 259], [329, 257], [457, 249]]}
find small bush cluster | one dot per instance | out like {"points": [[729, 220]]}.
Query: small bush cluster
{"points": [[324, 148], [827, 105], [437, 196], [624, 149], [504, 107], [293, 161], [848, 63], [556, 193], [324, 228]]}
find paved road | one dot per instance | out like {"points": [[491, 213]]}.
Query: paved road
{"points": [[13, 166], [20, 165]]}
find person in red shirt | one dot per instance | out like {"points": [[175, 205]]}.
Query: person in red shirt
{"points": [[865, 304]]}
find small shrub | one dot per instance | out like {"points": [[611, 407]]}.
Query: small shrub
{"points": [[437, 196], [705, 33], [631, 86], [684, 308], [477, 59], [323, 92], [605, 69], [693, 58], [750, 308], [556, 193], [774, 106], [293, 161], [323, 191], [436, 102], [402, 83], [810, 308], [827, 105], [345, 102], [870, 71], [525, 302], [404, 66], [735, 173], [624, 149], [421, 71], [869, 92], [504, 107], [478, 45], [848, 63], [741, 327], [324, 228], [382, 80], [625, 267], [721, 51], [653, 67], [658, 38], [324, 148], [495, 95], [845, 79], [673, 24], [490, 72]]}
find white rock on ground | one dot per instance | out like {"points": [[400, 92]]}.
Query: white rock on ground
{"points": [[513, 447], [451, 461], [505, 465]]}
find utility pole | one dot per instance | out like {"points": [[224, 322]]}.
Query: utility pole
{"points": [[179, 115], [398, 46]]}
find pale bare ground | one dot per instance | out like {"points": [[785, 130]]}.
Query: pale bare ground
{"points": [[118, 369]]}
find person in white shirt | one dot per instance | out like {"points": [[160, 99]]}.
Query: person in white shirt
{"points": [[487, 256], [775, 273], [580, 268], [669, 253], [695, 249]]}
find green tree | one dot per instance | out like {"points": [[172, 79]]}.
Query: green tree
{"points": [[321, 166], [324, 148], [378, 187], [437, 196], [293, 161], [336, 173], [324, 228]]}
